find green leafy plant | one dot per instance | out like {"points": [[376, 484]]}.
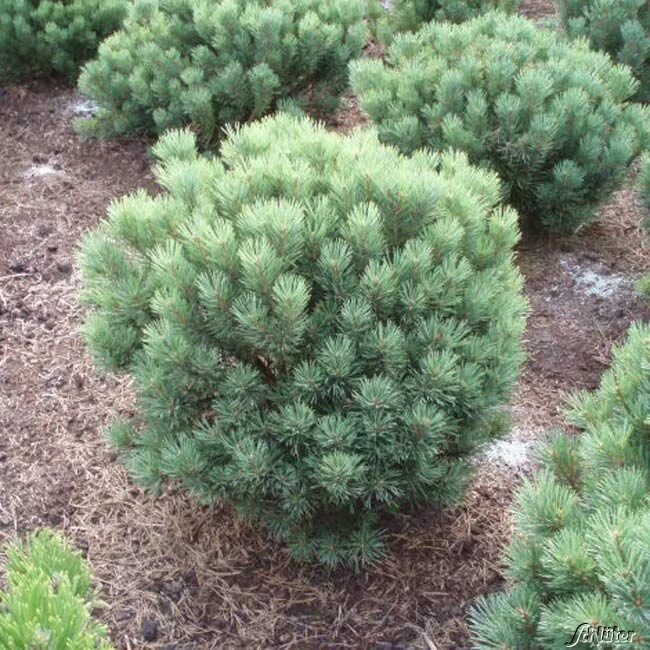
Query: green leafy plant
{"points": [[619, 27], [49, 598], [321, 330], [410, 15], [41, 38], [581, 550], [549, 116], [206, 64]]}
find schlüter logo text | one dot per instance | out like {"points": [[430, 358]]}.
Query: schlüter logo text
{"points": [[586, 633]]}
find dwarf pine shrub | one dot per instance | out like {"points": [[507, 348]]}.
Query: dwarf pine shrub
{"points": [[550, 116], [49, 598], [581, 550], [321, 330], [619, 27], [410, 15], [207, 63], [40, 38]]}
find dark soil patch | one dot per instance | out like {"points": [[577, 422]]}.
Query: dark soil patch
{"points": [[539, 10], [582, 299], [53, 187], [188, 577]]}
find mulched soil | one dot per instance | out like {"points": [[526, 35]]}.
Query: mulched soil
{"points": [[175, 575], [538, 10]]}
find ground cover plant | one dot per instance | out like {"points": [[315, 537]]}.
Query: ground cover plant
{"points": [[551, 117], [49, 597], [321, 329], [581, 550], [209, 63], [40, 38], [619, 27]]}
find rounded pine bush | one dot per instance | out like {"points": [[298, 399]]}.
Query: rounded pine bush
{"points": [[39, 38], [619, 27], [207, 63], [321, 330], [580, 555], [550, 116]]}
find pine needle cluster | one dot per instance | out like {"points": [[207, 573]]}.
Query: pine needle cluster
{"points": [[209, 63], [581, 551], [321, 330], [49, 598], [619, 27], [550, 116], [41, 38]]}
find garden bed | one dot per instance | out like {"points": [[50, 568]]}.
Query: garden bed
{"points": [[174, 575]]}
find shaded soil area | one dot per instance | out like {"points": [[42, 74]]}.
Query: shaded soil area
{"points": [[582, 296], [172, 574], [538, 10]]}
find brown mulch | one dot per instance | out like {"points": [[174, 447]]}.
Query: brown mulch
{"points": [[190, 577], [573, 324], [538, 10], [349, 117]]}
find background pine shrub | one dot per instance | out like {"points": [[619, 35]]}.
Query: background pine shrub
{"points": [[619, 27], [321, 330], [208, 63], [410, 15], [581, 550], [49, 598], [550, 116], [40, 38]]}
